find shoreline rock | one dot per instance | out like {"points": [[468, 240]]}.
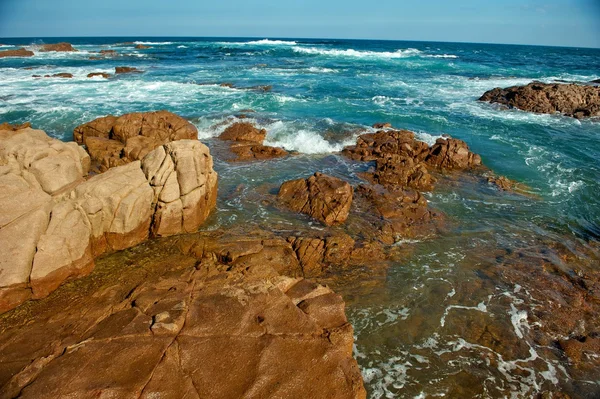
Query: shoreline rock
{"points": [[58, 47], [122, 70], [56, 220], [574, 100], [246, 142]]}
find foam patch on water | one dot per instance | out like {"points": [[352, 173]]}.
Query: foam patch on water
{"points": [[303, 140], [263, 42], [411, 52], [154, 43]]}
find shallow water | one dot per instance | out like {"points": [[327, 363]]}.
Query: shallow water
{"points": [[415, 331]]}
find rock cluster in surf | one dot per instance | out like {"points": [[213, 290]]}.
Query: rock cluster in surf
{"points": [[578, 101]]}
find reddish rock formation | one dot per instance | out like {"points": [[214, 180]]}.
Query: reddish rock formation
{"points": [[247, 143], [142, 47], [385, 125], [325, 198], [113, 141], [178, 323], [20, 52], [8, 126], [120, 70], [62, 75], [449, 153], [579, 101], [108, 52], [102, 74], [62, 47], [55, 222], [372, 146]]}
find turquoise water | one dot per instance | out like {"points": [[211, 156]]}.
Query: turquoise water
{"points": [[326, 92]]}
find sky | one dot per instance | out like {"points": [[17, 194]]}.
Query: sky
{"points": [[574, 23]]}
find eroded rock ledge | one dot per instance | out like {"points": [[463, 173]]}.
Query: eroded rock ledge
{"points": [[190, 316], [56, 220], [578, 101]]}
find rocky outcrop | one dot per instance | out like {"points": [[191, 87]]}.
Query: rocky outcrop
{"points": [[246, 143], [55, 222], [20, 52], [325, 198], [178, 322], [120, 70], [578, 101], [101, 74], [449, 154], [62, 47], [142, 47], [56, 75], [113, 141]]}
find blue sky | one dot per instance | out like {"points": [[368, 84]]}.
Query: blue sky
{"points": [[550, 22]]}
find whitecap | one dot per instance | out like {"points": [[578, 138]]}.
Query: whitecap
{"points": [[410, 52], [154, 43]]}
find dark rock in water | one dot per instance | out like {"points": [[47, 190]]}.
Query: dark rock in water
{"points": [[108, 52], [226, 84], [61, 47], [63, 75], [260, 88], [385, 125], [20, 52], [142, 47], [103, 74], [113, 141], [127, 70], [325, 198], [595, 81], [578, 101], [247, 143]]}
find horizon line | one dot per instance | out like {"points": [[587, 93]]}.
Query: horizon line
{"points": [[298, 38]]}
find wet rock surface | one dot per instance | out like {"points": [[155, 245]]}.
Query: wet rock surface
{"points": [[114, 141], [101, 74], [176, 319], [578, 101], [59, 47], [122, 70], [325, 198]]}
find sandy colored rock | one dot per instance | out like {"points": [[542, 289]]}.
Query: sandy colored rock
{"points": [[20, 52], [325, 198], [62, 47], [114, 141], [579, 101]]}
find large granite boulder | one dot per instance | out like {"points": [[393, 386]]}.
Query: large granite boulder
{"points": [[113, 141], [246, 143], [20, 52], [55, 222], [174, 322], [579, 101], [325, 198]]}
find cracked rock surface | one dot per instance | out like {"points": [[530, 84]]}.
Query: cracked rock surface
{"points": [[181, 317]]}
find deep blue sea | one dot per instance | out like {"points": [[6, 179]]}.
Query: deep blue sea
{"points": [[324, 94]]}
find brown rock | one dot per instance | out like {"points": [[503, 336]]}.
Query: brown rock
{"points": [[399, 170], [8, 126], [142, 47], [579, 101], [57, 47], [108, 52], [325, 198], [452, 153], [103, 74], [252, 152], [372, 146], [20, 52], [243, 131], [183, 328], [119, 70], [113, 141], [385, 125], [62, 75]]}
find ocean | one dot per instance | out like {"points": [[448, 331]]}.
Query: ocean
{"points": [[414, 330]]}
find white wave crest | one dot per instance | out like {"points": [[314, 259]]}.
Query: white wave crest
{"points": [[263, 42], [154, 43], [410, 52]]}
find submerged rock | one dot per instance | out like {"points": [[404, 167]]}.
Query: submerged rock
{"points": [[20, 52], [142, 47], [175, 322], [102, 74], [325, 198], [62, 47], [578, 101], [55, 222], [120, 70], [113, 141]]}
